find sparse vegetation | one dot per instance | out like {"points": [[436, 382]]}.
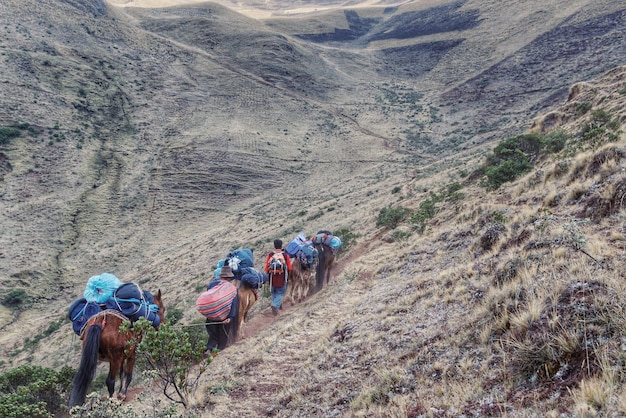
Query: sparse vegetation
{"points": [[15, 298], [169, 355], [7, 133], [390, 217], [34, 391], [516, 156]]}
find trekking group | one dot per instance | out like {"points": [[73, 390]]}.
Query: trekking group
{"points": [[236, 284]]}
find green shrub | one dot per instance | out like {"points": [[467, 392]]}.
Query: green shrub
{"points": [[515, 156], [600, 129], [390, 217], [15, 298], [427, 210], [583, 108], [555, 140], [34, 391], [174, 314], [506, 171], [169, 355], [7, 133]]}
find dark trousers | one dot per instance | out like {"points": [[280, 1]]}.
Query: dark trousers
{"points": [[218, 335]]}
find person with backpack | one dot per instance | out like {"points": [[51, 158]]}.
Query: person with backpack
{"points": [[219, 330], [278, 268]]}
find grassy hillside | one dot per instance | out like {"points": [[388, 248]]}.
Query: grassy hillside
{"points": [[148, 142], [509, 304]]}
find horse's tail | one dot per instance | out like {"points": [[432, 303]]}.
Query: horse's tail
{"points": [[87, 369], [320, 270]]}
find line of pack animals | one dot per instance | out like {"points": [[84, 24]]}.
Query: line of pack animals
{"points": [[216, 301], [106, 291]]}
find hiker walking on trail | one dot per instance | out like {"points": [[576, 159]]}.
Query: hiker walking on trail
{"points": [[278, 268], [219, 330]]}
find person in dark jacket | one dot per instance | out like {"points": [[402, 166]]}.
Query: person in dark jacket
{"points": [[219, 331]]}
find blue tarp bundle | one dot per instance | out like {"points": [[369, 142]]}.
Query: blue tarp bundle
{"points": [[239, 259], [253, 277], [79, 313], [134, 303], [100, 288], [302, 250], [307, 255], [335, 242], [106, 291], [218, 270]]}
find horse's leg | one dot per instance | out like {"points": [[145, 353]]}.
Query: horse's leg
{"points": [[241, 318], [126, 375], [330, 259], [114, 368], [319, 269]]}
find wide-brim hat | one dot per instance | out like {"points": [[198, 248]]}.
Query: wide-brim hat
{"points": [[226, 272]]}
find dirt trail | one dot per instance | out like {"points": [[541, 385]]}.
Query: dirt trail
{"points": [[277, 347], [265, 317]]}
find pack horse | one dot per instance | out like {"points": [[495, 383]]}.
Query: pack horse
{"points": [[102, 340], [326, 245]]}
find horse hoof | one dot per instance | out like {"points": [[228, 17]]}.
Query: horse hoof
{"points": [[121, 397]]}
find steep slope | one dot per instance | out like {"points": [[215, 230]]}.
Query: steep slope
{"points": [[511, 303], [151, 141]]}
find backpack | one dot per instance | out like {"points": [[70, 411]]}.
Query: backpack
{"points": [[277, 264], [215, 303]]}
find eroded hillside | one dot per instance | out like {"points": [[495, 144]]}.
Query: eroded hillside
{"points": [[150, 141]]}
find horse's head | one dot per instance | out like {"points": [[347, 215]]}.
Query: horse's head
{"points": [[158, 300]]}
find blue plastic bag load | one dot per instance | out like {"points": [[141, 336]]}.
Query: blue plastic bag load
{"points": [[100, 288], [135, 303], [253, 277], [335, 243], [218, 270]]}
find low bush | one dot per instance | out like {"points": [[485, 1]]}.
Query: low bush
{"points": [[34, 391]]}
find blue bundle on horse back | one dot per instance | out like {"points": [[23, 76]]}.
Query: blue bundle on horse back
{"points": [[239, 258], [79, 313], [100, 288], [253, 277], [307, 255], [134, 303], [296, 244], [323, 237]]}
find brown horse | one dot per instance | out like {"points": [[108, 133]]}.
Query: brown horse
{"points": [[246, 297], [102, 340], [326, 258], [300, 281]]}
